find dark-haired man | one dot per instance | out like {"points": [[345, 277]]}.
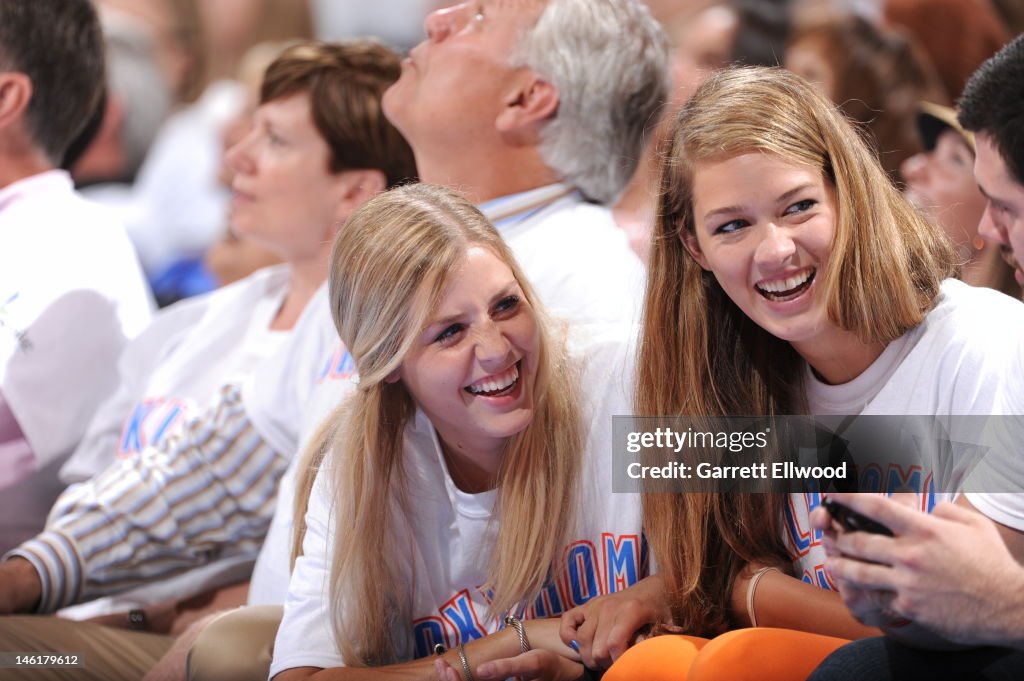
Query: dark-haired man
{"points": [[957, 572], [992, 107], [71, 289]]}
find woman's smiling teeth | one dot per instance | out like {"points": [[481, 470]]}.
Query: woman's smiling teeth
{"points": [[788, 288], [497, 384]]}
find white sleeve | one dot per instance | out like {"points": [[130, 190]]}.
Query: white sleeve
{"points": [[53, 387], [269, 584], [142, 355], [306, 636], [1006, 508], [206, 494], [277, 392], [992, 484]]}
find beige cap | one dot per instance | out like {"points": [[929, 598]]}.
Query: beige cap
{"points": [[932, 119]]}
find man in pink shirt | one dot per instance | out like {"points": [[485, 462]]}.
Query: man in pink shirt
{"points": [[71, 289]]}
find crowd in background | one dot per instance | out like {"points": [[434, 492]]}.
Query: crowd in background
{"points": [[182, 73], [177, 414]]}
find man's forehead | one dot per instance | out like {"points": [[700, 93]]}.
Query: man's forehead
{"points": [[991, 171], [525, 8], [514, 4]]}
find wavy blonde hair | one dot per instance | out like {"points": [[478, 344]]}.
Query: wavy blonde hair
{"points": [[701, 356], [389, 268]]}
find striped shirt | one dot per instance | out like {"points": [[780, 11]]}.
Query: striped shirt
{"points": [[210, 492], [207, 493]]}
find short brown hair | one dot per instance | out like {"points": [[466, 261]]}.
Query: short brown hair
{"points": [[991, 103], [59, 46], [345, 82]]}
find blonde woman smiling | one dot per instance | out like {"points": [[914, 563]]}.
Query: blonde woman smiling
{"points": [[449, 489]]}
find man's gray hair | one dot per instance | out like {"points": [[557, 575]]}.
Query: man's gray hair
{"points": [[608, 59], [134, 76]]}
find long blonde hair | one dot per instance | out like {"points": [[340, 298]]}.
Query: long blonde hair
{"points": [[701, 356], [389, 268]]}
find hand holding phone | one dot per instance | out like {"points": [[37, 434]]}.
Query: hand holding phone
{"points": [[852, 521]]}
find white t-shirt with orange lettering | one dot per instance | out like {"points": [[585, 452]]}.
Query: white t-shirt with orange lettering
{"points": [[955, 363]]}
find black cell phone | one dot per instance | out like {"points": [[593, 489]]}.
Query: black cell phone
{"points": [[853, 521]]}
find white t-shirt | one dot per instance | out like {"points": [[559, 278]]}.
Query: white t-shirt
{"points": [[171, 373], [574, 255], [955, 363], [175, 369], [451, 534], [1004, 470], [1006, 508], [269, 584], [71, 292], [286, 399], [578, 262], [276, 395]]}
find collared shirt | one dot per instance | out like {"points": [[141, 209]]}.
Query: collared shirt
{"points": [[512, 209], [578, 261], [71, 292], [67, 271]]}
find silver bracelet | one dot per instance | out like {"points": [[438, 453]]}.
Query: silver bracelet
{"points": [[465, 663], [517, 624]]}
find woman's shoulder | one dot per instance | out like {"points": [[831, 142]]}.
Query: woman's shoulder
{"points": [[605, 359], [267, 281], [971, 334], [608, 336], [979, 299], [973, 312], [602, 346]]}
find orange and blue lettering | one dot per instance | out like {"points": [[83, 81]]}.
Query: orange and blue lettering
{"points": [[622, 561], [461, 616], [339, 366], [582, 566], [428, 632]]}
